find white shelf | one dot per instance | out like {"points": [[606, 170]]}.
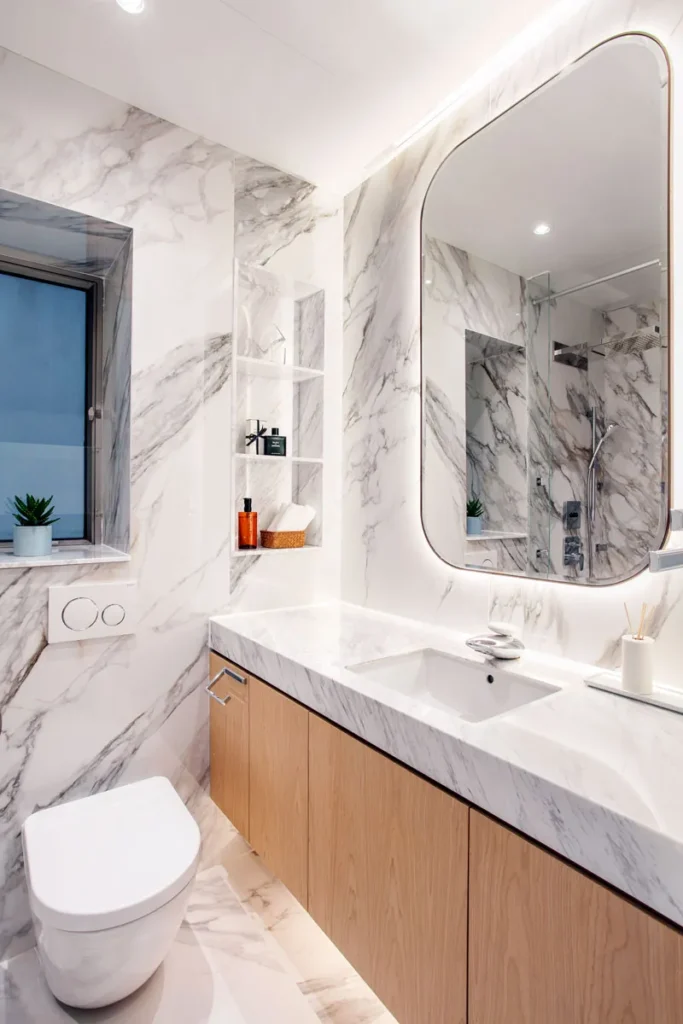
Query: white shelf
{"points": [[253, 367], [486, 536], [241, 553], [296, 459]]}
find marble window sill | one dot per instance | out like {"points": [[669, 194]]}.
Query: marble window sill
{"points": [[69, 554]]}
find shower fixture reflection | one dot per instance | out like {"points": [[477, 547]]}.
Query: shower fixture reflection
{"points": [[591, 484]]}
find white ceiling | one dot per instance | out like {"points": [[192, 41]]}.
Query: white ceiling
{"points": [[587, 155], [317, 87]]}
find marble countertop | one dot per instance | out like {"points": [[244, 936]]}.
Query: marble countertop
{"points": [[588, 774]]}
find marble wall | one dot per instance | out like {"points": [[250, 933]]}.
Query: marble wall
{"points": [[77, 718], [388, 562]]}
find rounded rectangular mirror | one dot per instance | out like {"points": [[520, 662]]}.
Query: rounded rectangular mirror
{"points": [[545, 328]]}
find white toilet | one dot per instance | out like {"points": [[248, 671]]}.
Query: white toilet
{"points": [[109, 878]]}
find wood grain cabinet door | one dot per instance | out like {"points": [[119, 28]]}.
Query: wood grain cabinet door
{"points": [[548, 945], [229, 742], [388, 876], [278, 786]]}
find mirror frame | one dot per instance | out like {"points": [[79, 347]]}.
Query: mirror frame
{"points": [[668, 463]]}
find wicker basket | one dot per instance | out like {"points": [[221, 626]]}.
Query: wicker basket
{"points": [[283, 539]]}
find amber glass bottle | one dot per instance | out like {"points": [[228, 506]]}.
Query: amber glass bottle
{"points": [[247, 527]]}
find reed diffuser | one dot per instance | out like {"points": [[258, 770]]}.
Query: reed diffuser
{"points": [[637, 653]]}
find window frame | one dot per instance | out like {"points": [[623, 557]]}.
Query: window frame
{"points": [[94, 291]]}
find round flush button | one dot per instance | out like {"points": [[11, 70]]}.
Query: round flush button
{"points": [[113, 615], [79, 614]]}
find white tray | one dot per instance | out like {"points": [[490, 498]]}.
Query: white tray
{"points": [[661, 697]]}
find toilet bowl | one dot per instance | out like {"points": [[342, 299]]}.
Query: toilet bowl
{"points": [[109, 878]]}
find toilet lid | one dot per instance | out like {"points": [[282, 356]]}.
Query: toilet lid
{"points": [[111, 858]]}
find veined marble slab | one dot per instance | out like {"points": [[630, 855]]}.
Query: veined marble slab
{"points": [[593, 777]]}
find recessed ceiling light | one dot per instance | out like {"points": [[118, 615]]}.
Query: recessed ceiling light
{"points": [[132, 6], [542, 229]]}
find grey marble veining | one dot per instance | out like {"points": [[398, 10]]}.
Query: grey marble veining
{"points": [[496, 438], [591, 776], [309, 330], [114, 427], [62, 238], [272, 210]]}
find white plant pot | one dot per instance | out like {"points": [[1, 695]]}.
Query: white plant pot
{"points": [[474, 526], [32, 541]]}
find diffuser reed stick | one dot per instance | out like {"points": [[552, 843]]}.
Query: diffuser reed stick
{"points": [[643, 613], [645, 620]]}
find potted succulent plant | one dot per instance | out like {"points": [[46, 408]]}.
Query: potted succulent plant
{"points": [[33, 525], [475, 510]]}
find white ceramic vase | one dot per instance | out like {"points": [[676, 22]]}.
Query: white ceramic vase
{"points": [[32, 541], [637, 664]]}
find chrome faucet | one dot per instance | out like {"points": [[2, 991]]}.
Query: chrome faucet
{"points": [[502, 642]]}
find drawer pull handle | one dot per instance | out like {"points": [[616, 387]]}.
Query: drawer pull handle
{"points": [[225, 671]]}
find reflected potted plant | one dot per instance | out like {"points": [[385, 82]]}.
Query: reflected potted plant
{"points": [[33, 525], [475, 510]]}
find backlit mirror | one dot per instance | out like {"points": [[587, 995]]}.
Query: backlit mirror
{"points": [[545, 328]]}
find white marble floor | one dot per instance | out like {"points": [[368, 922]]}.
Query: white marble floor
{"points": [[335, 992], [247, 953]]}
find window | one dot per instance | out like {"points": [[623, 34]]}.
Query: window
{"points": [[47, 351]]}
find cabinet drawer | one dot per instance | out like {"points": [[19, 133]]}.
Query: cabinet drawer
{"points": [[278, 785], [229, 742], [388, 876], [547, 943]]}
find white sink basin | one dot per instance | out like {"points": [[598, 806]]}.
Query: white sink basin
{"points": [[452, 684]]}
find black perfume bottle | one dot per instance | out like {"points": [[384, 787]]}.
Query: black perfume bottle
{"points": [[273, 444]]}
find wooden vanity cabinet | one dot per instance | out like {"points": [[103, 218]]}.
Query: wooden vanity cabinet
{"points": [[549, 944], [229, 742], [278, 785], [388, 876], [449, 916]]}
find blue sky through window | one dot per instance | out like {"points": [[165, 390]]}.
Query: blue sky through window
{"points": [[43, 396]]}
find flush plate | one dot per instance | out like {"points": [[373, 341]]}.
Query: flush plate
{"points": [[90, 611]]}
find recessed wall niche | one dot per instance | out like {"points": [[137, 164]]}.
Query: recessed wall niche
{"points": [[53, 240], [278, 380]]}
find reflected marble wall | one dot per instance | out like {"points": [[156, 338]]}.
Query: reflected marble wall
{"points": [[474, 379], [626, 375]]}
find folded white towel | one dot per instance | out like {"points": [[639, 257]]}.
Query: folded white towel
{"points": [[277, 517], [292, 518]]}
